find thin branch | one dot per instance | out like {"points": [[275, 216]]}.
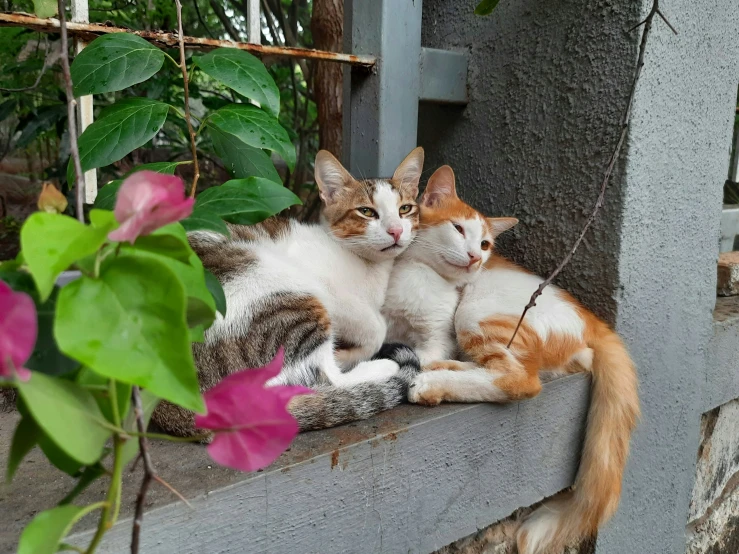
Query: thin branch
{"points": [[89, 31], [200, 18], [149, 472], [287, 32], [271, 24], [185, 80], [225, 21], [44, 67], [173, 490], [647, 23], [71, 115]]}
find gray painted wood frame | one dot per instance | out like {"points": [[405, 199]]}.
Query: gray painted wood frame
{"points": [[411, 480]]}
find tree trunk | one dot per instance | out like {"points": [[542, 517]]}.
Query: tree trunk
{"points": [[327, 28]]}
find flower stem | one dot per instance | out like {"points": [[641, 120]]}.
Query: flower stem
{"points": [[185, 82], [113, 500]]}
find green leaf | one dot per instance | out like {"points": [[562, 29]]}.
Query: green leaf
{"points": [[87, 478], [46, 531], [216, 290], [7, 108], [24, 439], [167, 168], [202, 219], [247, 201], [198, 312], [120, 130], [68, 415], [46, 119], [46, 356], [105, 199], [58, 458], [114, 62], [51, 243], [486, 7], [45, 8], [197, 333], [256, 128], [240, 159], [244, 73], [99, 388], [170, 241], [130, 325], [201, 310]]}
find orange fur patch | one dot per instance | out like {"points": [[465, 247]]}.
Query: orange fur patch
{"points": [[450, 209]]}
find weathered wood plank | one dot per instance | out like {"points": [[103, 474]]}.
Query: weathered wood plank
{"points": [[412, 480]]}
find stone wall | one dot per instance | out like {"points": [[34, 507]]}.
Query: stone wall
{"points": [[713, 521], [713, 525]]}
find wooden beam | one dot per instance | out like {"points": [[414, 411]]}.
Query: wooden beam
{"points": [[89, 31], [412, 480]]}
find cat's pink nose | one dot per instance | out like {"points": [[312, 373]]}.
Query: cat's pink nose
{"points": [[395, 232], [474, 258]]}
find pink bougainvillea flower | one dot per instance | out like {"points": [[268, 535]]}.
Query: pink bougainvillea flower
{"points": [[250, 421], [18, 330], [147, 201]]}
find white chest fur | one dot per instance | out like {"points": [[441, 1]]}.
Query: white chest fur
{"points": [[505, 291]]}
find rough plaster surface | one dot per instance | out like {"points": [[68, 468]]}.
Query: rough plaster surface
{"points": [[547, 86], [677, 163], [548, 82]]}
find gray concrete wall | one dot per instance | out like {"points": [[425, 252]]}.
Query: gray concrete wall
{"points": [[547, 86], [548, 82]]}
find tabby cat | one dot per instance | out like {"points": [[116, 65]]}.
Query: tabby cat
{"points": [[461, 300], [317, 290]]}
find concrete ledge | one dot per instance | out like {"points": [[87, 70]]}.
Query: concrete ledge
{"points": [[722, 373], [443, 76], [411, 480]]}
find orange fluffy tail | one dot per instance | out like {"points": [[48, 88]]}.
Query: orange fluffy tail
{"points": [[614, 409]]}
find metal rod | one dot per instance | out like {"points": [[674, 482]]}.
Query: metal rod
{"points": [[89, 31]]}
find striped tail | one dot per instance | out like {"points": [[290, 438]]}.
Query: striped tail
{"points": [[331, 406], [614, 410]]}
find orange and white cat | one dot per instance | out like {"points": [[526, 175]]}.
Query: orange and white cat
{"points": [[451, 296]]}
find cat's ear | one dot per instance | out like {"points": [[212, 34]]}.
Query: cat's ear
{"points": [[331, 177], [499, 225], [441, 186], [409, 171]]}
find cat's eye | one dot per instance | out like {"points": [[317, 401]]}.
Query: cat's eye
{"points": [[405, 209], [485, 244], [367, 212], [459, 228]]}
